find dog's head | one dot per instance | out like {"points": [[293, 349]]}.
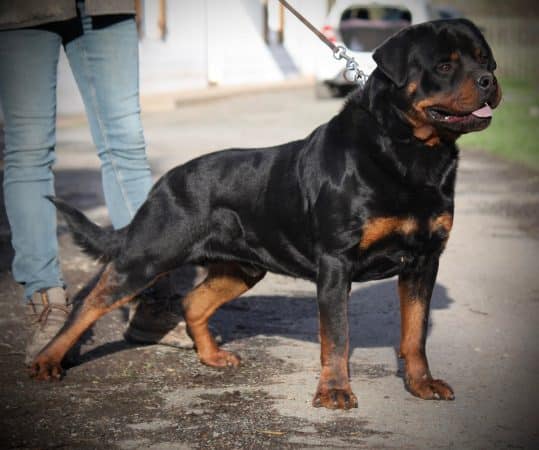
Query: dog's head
{"points": [[443, 75]]}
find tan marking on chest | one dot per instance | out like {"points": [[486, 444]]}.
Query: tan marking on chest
{"points": [[381, 227], [443, 221]]}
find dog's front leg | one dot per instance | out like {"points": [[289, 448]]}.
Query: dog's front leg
{"points": [[333, 286], [415, 291]]}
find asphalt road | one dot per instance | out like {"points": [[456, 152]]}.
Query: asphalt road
{"points": [[483, 337]]}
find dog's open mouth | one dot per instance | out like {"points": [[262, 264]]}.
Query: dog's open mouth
{"points": [[440, 115], [462, 122]]}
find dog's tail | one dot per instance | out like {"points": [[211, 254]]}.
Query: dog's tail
{"points": [[98, 242]]}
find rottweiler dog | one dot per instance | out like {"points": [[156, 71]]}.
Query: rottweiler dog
{"points": [[366, 196]]}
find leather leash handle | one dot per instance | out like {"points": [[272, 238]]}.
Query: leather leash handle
{"points": [[309, 25]]}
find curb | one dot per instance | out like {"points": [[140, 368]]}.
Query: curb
{"points": [[169, 101], [173, 100]]}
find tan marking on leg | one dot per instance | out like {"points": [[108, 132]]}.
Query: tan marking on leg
{"points": [[413, 327], [334, 390], [93, 308], [418, 378], [224, 283]]}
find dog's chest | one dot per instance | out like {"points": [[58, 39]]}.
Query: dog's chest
{"points": [[413, 231], [388, 244]]}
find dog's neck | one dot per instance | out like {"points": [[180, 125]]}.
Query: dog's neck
{"points": [[400, 149], [390, 108]]}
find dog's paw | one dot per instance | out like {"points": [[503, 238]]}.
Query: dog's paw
{"points": [[335, 399], [221, 359], [45, 369], [430, 389]]}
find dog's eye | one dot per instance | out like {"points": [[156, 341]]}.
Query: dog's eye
{"points": [[444, 67]]}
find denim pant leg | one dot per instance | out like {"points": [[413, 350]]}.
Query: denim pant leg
{"points": [[105, 64], [28, 67]]}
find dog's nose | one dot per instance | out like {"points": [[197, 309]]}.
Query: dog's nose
{"points": [[485, 81]]}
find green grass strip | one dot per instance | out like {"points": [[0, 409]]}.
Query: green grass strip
{"points": [[514, 131]]}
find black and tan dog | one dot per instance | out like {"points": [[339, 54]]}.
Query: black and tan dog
{"points": [[368, 195]]}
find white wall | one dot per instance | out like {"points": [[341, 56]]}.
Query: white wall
{"points": [[215, 41], [237, 53], [179, 61], [302, 44]]}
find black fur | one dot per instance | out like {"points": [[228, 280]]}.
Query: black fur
{"points": [[102, 243]]}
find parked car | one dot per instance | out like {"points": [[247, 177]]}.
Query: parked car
{"points": [[362, 25]]}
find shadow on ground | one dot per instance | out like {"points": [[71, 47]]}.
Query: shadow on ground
{"points": [[374, 318]]}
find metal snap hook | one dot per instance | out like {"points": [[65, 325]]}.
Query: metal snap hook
{"points": [[340, 52], [351, 73]]}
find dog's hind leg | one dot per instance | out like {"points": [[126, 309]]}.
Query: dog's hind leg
{"points": [[111, 291], [224, 283]]}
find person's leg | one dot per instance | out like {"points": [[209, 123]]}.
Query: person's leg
{"points": [[28, 67], [105, 65]]}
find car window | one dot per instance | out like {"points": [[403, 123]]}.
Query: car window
{"points": [[364, 28]]}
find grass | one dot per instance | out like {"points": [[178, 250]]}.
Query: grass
{"points": [[514, 132]]}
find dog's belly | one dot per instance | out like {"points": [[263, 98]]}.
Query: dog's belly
{"points": [[382, 264], [287, 261], [267, 245]]}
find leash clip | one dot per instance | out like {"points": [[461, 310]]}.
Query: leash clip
{"points": [[352, 73], [340, 52]]}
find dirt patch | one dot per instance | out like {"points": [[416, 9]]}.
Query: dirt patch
{"points": [[370, 371], [247, 419]]}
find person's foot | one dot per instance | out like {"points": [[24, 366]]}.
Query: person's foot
{"points": [[157, 317], [154, 322], [47, 312]]}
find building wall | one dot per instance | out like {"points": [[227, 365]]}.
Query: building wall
{"points": [[221, 42], [217, 42]]}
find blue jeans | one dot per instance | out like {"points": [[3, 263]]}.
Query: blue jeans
{"points": [[105, 65]]}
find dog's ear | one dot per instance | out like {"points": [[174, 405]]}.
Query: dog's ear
{"points": [[392, 57]]}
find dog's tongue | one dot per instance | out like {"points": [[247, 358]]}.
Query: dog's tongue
{"points": [[485, 111]]}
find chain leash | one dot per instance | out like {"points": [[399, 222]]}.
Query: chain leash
{"points": [[352, 72]]}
